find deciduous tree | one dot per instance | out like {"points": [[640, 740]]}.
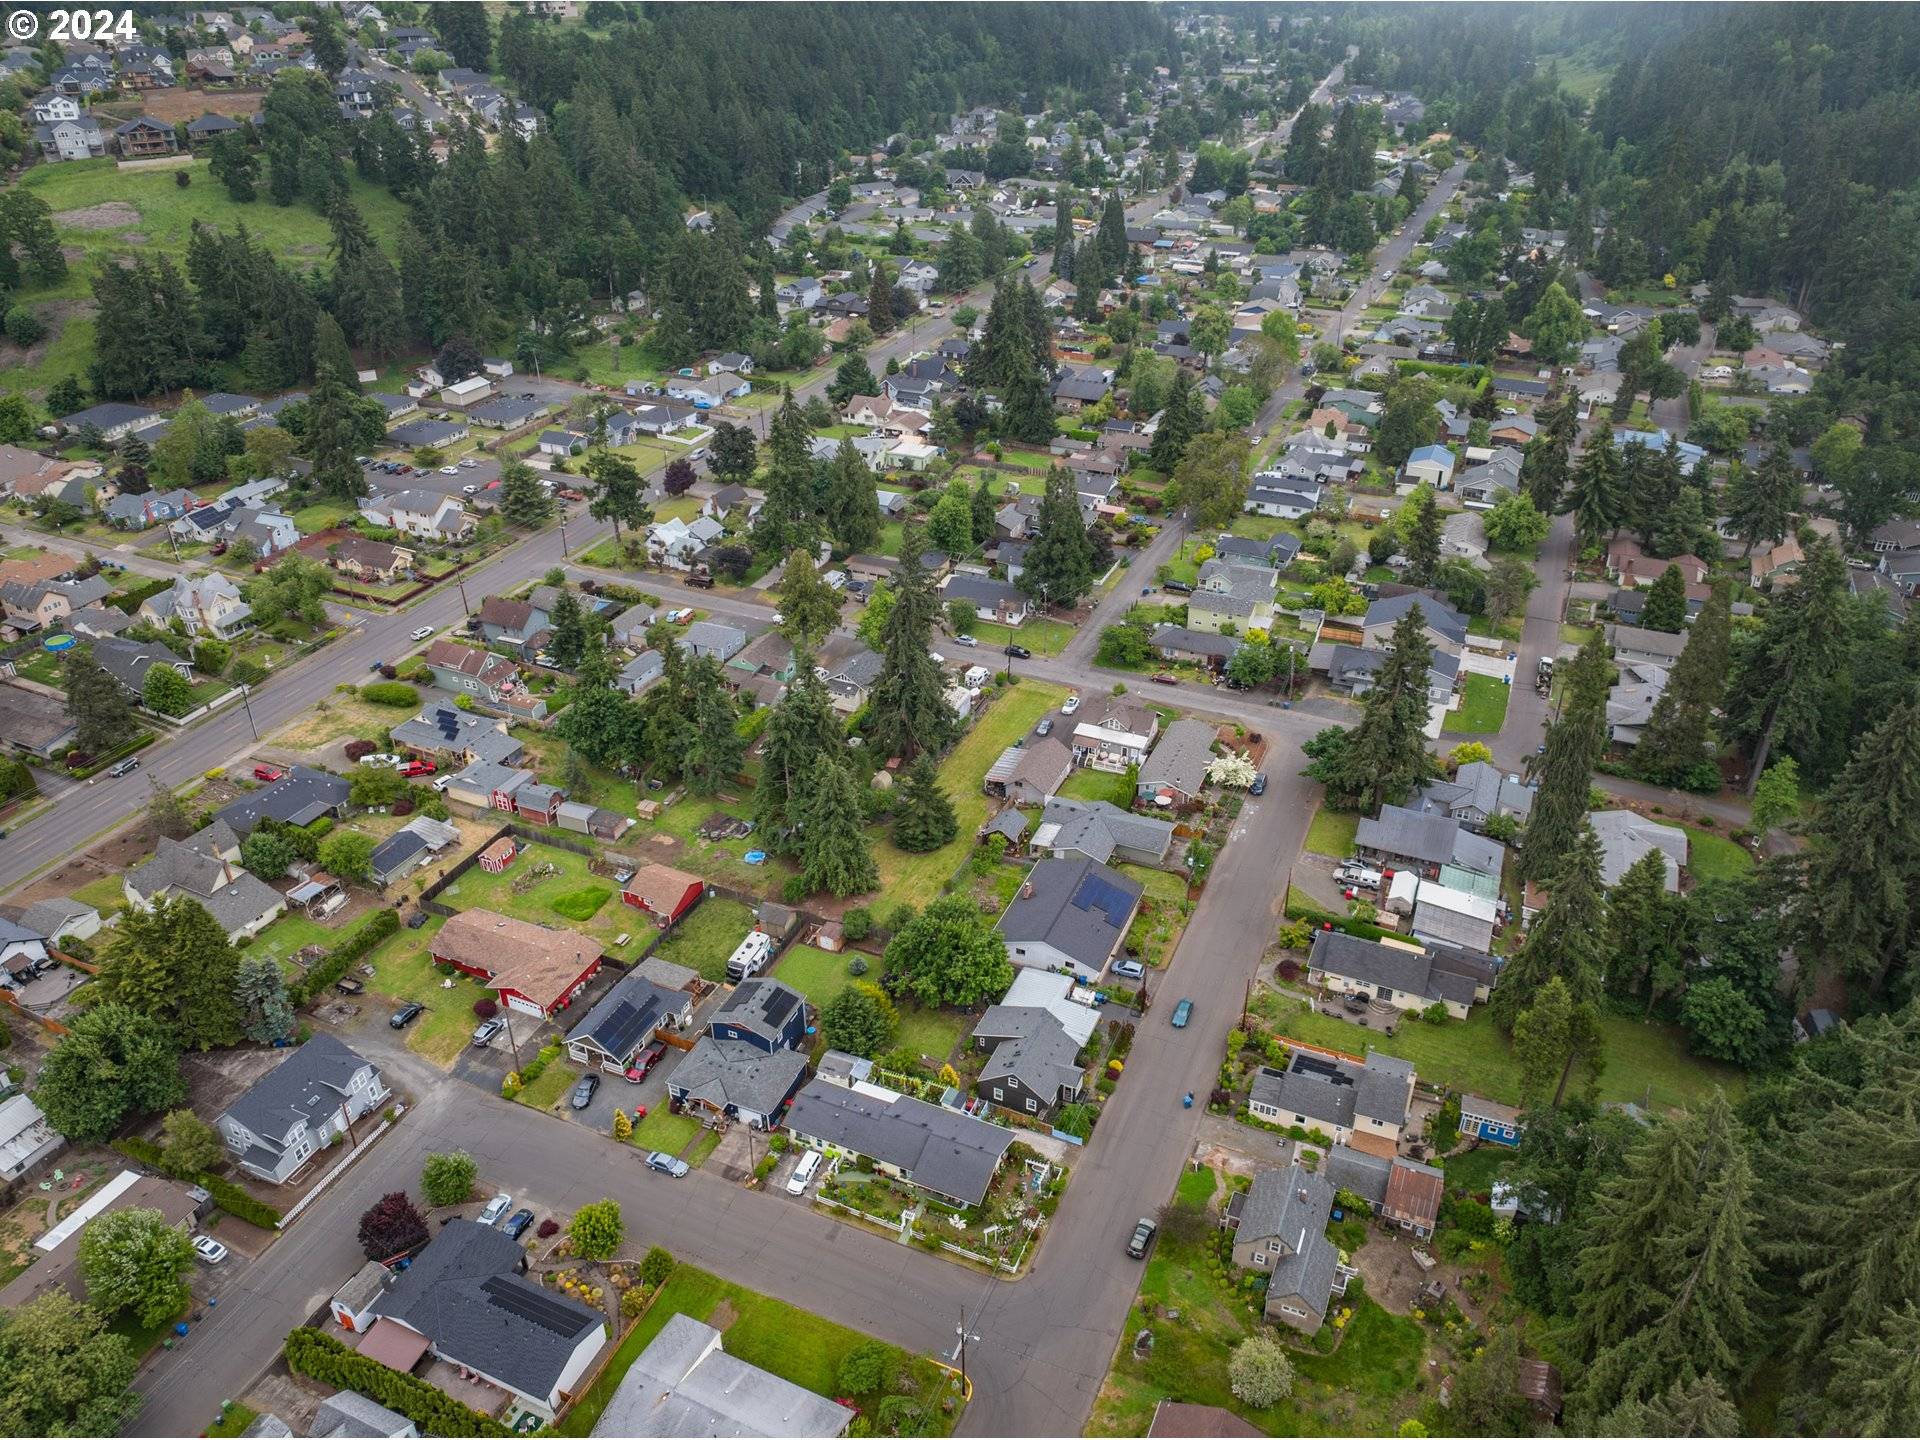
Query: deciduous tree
{"points": [[136, 1261], [949, 954], [392, 1226]]}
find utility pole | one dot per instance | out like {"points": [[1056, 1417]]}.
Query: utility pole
{"points": [[246, 704], [462, 582]]}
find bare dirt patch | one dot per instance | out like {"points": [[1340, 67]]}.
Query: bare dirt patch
{"points": [[174, 104], [108, 215], [113, 856]]}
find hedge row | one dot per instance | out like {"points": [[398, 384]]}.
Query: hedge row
{"points": [[227, 1195], [356, 947], [310, 1352]]}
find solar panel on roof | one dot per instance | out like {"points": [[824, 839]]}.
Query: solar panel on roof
{"points": [[779, 1002], [530, 1305], [1096, 892]]}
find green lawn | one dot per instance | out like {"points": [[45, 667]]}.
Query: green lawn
{"points": [[1483, 707], [932, 1032], [1646, 1063], [1715, 857], [816, 974], [664, 1130], [706, 936], [1042, 637], [402, 970], [290, 933], [483, 890], [106, 894], [322, 515], [1027, 459], [1087, 783], [549, 1087], [917, 879], [1332, 833], [799, 1347], [234, 1418]]}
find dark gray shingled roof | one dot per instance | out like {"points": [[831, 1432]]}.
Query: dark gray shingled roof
{"points": [[725, 1073], [1283, 1203], [1039, 1053], [941, 1150], [465, 1293], [1365, 1175], [310, 1082], [1079, 907], [303, 796]]}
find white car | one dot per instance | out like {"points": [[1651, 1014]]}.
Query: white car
{"points": [[449, 469], [967, 640], [496, 1208], [442, 782], [469, 489], [1073, 704], [424, 632], [469, 464], [209, 1249], [381, 761]]}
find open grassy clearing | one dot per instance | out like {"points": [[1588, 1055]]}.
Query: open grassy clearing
{"points": [[816, 974], [1483, 707], [541, 901], [706, 936], [402, 970]]}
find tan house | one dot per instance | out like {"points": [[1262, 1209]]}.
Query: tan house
{"points": [[371, 560]]}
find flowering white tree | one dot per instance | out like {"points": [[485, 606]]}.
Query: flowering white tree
{"points": [[1230, 769]]}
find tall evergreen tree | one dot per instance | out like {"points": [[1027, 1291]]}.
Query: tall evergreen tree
{"points": [[880, 299], [714, 747], [1761, 499], [1180, 420], [96, 703], [1860, 910], [1781, 681], [1058, 569], [1567, 941], [1385, 755], [1686, 1410], [1423, 542], [331, 437], [523, 501], [1545, 470], [834, 854], [853, 501], [173, 963], [1550, 1038], [803, 727], [787, 519], [1642, 952], [908, 712], [1679, 729], [1666, 607], [570, 639], [923, 816], [1574, 742], [1876, 1378], [1063, 242], [809, 606], [1028, 411], [366, 289], [1595, 498]]}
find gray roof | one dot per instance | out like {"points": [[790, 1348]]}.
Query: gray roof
{"points": [[1440, 617], [1479, 786], [1095, 828], [465, 1292], [1319, 1088], [980, 590], [1034, 1049], [626, 1014], [235, 898], [1180, 759], [1079, 907], [726, 641], [684, 1385], [733, 1074], [310, 1083], [941, 1150], [394, 852], [1308, 1274], [302, 796], [1357, 1170], [1339, 953], [350, 1415], [1384, 1083], [49, 917], [1431, 839], [446, 730], [1285, 1204], [1626, 837], [128, 660], [761, 1006], [1194, 642]]}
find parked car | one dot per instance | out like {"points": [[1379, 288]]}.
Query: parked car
{"points": [[407, 1014], [425, 632], [442, 783], [469, 489], [803, 1173], [1045, 727], [644, 1062], [1353, 873], [517, 1226], [413, 769], [485, 1032], [1073, 704], [1182, 1013], [1129, 969], [209, 1249], [363, 461], [1165, 677], [449, 469], [1019, 652], [1142, 1238], [584, 1089], [667, 1164], [967, 640], [469, 463], [496, 1207], [1259, 786], [267, 774], [125, 767]]}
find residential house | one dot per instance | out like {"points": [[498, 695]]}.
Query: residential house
{"points": [[410, 847], [423, 514], [535, 970], [1282, 499], [1034, 1045], [1030, 773], [714, 638], [639, 672], [57, 1265], [144, 137], [114, 420], [479, 673], [300, 797], [1408, 839], [1632, 697], [296, 1109], [1115, 732], [24, 953], [678, 544], [1626, 838], [1483, 486], [1446, 628], [1279, 552], [1098, 831], [684, 1383], [951, 1155], [1226, 594], [60, 917], [27, 1141], [207, 604], [1366, 1106], [140, 512], [1280, 1229], [486, 785], [663, 892], [129, 660], [1351, 670], [992, 600], [422, 434], [518, 625], [205, 868], [1176, 642], [44, 605], [373, 561], [73, 138], [1477, 793], [625, 1021], [705, 392], [466, 1299], [1629, 565], [762, 1014], [1633, 645], [1394, 973], [445, 733], [1430, 465], [1070, 914], [210, 127], [738, 1080], [1176, 771]]}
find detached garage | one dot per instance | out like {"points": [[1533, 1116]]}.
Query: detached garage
{"points": [[663, 892]]}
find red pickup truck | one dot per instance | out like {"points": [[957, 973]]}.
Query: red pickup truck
{"points": [[415, 768], [268, 773]]}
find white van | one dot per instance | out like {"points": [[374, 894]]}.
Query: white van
{"points": [[803, 1173]]}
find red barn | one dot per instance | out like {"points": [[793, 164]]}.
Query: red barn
{"points": [[536, 970], [663, 892]]}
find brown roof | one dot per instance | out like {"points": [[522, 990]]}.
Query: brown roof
{"points": [[1413, 1192], [504, 848], [394, 1345], [539, 963], [1373, 1144], [1178, 1418], [37, 569], [660, 887], [367, 554], [1539, 1382], [508, 614]]}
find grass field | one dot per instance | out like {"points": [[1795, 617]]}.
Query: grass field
{"points": [[1042, 637], [402, 970], [1483, 707], [664, 1130], [799, 1347], [814, 973], [290, 933], [706, 936], [1332, 833], [549, 1087], [1646, 1063], [482, 890], [916, 879], [1087, 783], [932, 1033], [1715, 857]]}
